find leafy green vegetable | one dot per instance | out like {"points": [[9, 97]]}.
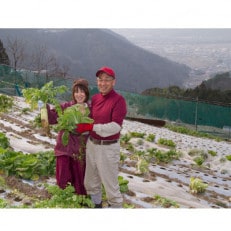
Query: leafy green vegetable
{"points": [[27, 166], [123, 184], [165, 202], [3, 203], [6, 103], [141, 166], [64, 198], [78, 113], [47, 94], [197, 186], [4, 141], [228, 157]]}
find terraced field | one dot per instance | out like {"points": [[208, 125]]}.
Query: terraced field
{"points": [[166, 181]]}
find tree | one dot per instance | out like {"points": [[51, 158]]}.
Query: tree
{"points": [[175, 91], [63, 70], [4, 58], [16, 48], [43, 63]]}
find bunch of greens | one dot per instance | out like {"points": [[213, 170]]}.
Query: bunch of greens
{"points": [[47, 94], [78, 113]]}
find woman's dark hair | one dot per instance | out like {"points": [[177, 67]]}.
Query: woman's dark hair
{"points": [[81, 84]]}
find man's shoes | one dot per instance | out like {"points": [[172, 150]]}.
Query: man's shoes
{"points": [[98, 206]]}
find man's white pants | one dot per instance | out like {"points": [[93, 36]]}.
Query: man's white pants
{"points": [[102, 167]]}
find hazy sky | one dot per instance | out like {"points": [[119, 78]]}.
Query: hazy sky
{"points": [[115, 13]]}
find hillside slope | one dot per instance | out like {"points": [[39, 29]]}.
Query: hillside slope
{"points": [[85, 50]]}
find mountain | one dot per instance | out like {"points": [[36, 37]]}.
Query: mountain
{"points": [[86, 50], [220, 82]]}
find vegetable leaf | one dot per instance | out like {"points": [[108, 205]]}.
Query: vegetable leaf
{"points": [[71, 116]]}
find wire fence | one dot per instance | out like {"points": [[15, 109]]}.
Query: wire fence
{"points": [[201, 116]]}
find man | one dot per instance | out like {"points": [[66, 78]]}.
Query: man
{"points": [[108, 110]]}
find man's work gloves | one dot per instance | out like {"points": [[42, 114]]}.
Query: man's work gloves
{"points": [[81, 128]]}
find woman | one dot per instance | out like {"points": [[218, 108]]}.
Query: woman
{"points": [[70, 159]]}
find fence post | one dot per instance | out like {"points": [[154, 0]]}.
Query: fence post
{"points": [[196, 113]]}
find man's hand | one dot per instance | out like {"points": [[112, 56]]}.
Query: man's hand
{"points": [[81, 128]]}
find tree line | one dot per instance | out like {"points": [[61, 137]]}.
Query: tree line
{"points": [[14, 54], [211, 91]]}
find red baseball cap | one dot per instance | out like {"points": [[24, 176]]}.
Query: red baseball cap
{"points": [[107, 70]]}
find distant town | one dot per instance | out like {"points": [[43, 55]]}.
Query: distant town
{"points": [[206, 51]]}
